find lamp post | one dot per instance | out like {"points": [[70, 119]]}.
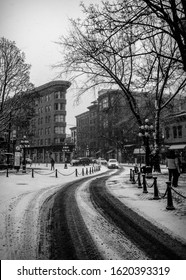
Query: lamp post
{"points": [[65, 150], [145, 131], [87, 151], [24, 145]]}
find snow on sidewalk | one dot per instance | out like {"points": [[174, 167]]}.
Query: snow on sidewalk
{"points": [[171, 221]]}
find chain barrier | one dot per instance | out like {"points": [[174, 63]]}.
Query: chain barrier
{"points": [[178, 193], [44, 173], [148, 184], [66, 174]]}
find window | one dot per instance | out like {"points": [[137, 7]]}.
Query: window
{"points": [[47, 130], [59, 95], [48, 108], [180, 131], [58, 140], [59, 106], [167, 132], [105, 102], [174, 131], [48, 97], [59, 118], [59, 129]]}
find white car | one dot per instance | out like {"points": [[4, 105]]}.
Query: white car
{"points": [[112, 163], [102, 161]]}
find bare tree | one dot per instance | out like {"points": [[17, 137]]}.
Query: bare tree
{"points": [[127, 44], [14, 82]]}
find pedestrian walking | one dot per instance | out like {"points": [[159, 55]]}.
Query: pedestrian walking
{"points": [[173, 168], [52, 163]]}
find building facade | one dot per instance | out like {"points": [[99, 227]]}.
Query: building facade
{"points": [[175, 134], [48, 127]]}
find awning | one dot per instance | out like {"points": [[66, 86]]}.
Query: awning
{"points": [[110, 151], [139, 151], [177, 147]]}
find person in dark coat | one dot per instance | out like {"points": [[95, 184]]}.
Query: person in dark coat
{"points": [[52, 163]]}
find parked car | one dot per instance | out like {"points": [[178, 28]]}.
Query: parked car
{"points": [[102, 161], [85, 161], [75, 162], [112, 163]]}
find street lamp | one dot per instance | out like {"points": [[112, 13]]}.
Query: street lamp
{"points": [[24, 145], [145, 131], [87, 151], [65, 150]]}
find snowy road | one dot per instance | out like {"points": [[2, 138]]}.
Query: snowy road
{"points": [[77, 220]]}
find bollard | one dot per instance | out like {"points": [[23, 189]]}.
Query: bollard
{"points": [[82, 171], [133, 177], [86, 171], [156, 194], [56, 173], [76, 172], [65, 166], [170, 205], [32, 172], [90, 171], [139, 181], [7, 172], [130, 175], [144, 184]]}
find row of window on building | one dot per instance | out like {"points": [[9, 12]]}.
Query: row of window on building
{"points": [[57, 107], [47, 98], [47, 130], [176, 130], [47, 141], [57, 118]]}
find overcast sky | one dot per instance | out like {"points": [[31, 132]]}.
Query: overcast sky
{"points": [[35, 25]]}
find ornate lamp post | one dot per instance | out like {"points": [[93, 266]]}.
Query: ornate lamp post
{"points": [[87, 151], [65, 150], [145, 131], [24, 145]]}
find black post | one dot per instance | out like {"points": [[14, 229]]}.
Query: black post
{"points": [[7, 171], [156, 194], [144, 184], [83, 171], [24, 160], [133, 177], [139, 180], [170, 205], [76, 172], [130, 174], [32, 172], [56, 173]]}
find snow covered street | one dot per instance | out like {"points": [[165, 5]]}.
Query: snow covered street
{"points": [[22, 197]]}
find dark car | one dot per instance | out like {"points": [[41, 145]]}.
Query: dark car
{"points": [[84, 161]]}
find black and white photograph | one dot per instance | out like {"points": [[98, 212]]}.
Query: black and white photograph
{"points": [[93, 135]]}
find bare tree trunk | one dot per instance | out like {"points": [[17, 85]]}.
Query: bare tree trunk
{"points": [[156, 159]]}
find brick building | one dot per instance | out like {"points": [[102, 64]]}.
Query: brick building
{"points": [[48, 127]]}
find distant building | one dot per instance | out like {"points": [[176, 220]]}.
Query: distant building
{"points": [[175, 134], [48, 127], [83, 128]]}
